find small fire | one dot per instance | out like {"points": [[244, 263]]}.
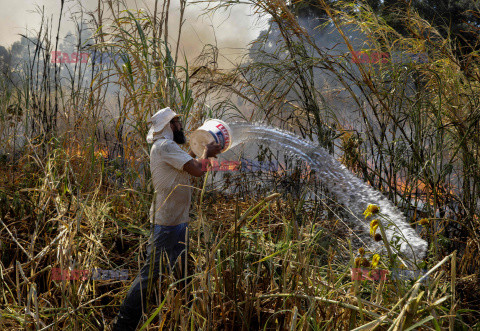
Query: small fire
{"points": [[76, 151], [419, 189]]}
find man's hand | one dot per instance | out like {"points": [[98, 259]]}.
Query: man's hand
{"points": [[211, 150], [196, 167]]}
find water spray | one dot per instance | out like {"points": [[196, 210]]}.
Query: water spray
{"points": [[350, 191]]}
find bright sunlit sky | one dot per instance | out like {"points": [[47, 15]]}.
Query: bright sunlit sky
{"points": [[231, 30]]}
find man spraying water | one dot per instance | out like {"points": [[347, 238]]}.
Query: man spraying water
{"points": [[171, 169]]}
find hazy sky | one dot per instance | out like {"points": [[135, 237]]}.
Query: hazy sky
{"points": [[233, 30]]}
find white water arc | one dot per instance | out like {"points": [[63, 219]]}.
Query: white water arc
{"points": [[350, 191]]}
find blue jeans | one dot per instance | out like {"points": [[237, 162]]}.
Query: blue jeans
{"points": [[172, 240]]}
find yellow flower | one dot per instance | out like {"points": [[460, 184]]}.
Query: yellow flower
{"points": [[423, 221], [361, 251], [371, 210], [373, 227], [375, 260]]}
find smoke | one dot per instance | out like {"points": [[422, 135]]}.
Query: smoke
{"points": [[230, 30]]}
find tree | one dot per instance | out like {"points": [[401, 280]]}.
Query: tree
{"points": [[460, 19]]}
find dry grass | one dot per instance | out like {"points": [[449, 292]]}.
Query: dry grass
{"points": [[270, 265]]}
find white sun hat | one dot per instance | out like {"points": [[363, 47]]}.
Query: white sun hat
{"points": [[159, 125]]}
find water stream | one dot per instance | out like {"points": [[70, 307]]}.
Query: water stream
{"points": [[350, 191]]}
